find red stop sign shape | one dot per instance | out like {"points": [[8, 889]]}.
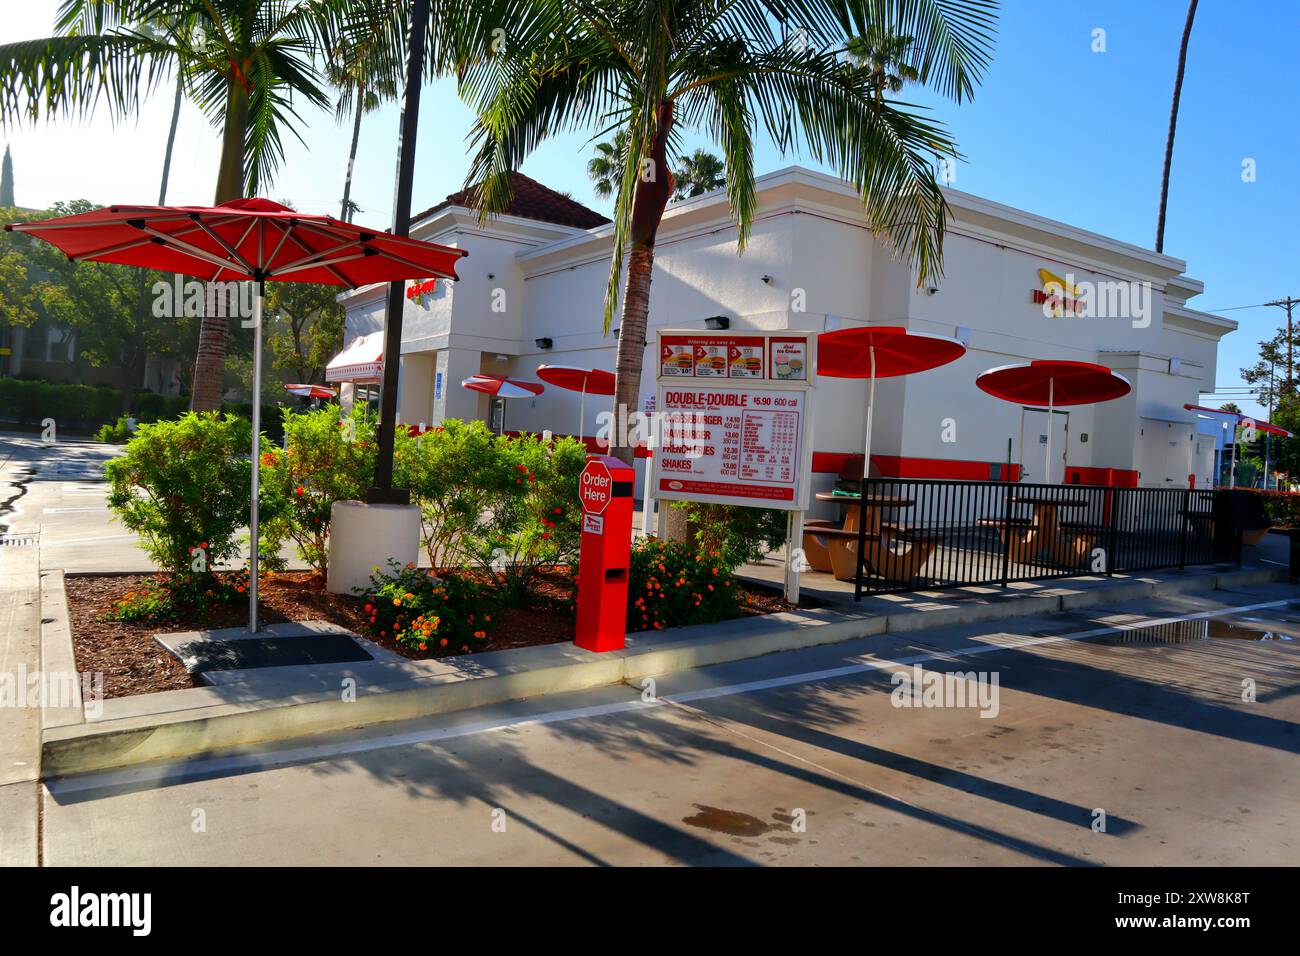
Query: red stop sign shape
{"points": [[595, 487]]}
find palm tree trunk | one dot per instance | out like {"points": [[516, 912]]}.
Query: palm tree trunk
{"points": [[1173, 123], [171, 138], [648, 206], [134, 370], [214, 332], [344, 212]]}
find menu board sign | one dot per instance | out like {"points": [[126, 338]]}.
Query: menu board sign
{"points": [[713, 356], [736, 423]]}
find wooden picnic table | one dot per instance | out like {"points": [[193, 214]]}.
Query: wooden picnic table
{"points": [[1043, 536], [874, 504], [894, 553]]}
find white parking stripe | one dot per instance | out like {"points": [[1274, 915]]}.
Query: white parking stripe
{"points": [[177, 772]]}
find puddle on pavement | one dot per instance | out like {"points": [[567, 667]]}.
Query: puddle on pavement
{"points": [[1204, 629], [21, 480], [737, 824]]}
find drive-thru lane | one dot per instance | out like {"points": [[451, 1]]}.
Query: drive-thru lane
{"points": [[1103, 743]]}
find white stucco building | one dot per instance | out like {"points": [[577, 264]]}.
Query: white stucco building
{"points": [[539, 273]]}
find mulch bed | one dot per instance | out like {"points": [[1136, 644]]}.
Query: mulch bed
{"points": [[133, 663]]}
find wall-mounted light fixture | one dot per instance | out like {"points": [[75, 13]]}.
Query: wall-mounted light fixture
{"points": [[543, 343], [717, 323]]}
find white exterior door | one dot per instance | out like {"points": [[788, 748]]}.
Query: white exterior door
{"points": [[1035, 446]]}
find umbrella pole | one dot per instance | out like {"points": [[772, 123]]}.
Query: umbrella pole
{"points": [[871, 408], [582, 411], [1047, 459], [257, 457]]}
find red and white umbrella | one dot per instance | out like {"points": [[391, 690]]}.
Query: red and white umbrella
{"points": [[881, 351], [588, 381], [1052, 382], [243, 240], [1240, 419], [498, 386], [310, 391]]}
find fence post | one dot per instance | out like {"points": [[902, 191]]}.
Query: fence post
{"points": [[862, 537], [1182, 538], [1007, 536], [1116, 497]]}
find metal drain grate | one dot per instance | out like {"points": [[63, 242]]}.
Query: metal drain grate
{"points": [[18, 540]]}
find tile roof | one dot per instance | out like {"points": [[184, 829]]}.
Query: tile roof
{"points": [[531, 200]]}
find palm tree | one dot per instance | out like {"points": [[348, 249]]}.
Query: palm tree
{"points": [[246, 63], [643, 67], [605, 169], [881, 54], [697, 174], [1173, 123], [365, 69]]}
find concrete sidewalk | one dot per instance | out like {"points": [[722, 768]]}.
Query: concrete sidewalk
{"points": [[20, 720]]}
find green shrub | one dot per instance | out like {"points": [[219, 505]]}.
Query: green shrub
{"points": [[116, 433], [73, 407], [1282, 506], [325, 460], [272, 418], [460, 475], [190, 595], [673, 585], [539, 523], [429, 616], [740, 535], [183, 486], [152, 407]]}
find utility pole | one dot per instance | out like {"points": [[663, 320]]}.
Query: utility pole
{"points": [[1268, 437], [1287, 303]]}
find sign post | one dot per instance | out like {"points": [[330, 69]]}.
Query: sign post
{"points": [[605, 490], [737, 416]]}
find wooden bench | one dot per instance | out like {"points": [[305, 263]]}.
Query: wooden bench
{"points": [[1079, 538], [881, 560]]}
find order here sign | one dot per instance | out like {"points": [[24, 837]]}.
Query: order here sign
{"points": [[736, 417]]}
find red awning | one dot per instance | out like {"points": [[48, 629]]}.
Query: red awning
{"points": [[1259, 426], [1054, 381], [846, 353]]}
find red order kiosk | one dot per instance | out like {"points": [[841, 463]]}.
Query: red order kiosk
{"points": [[605, 489]]}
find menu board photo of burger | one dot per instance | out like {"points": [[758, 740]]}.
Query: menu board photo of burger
{"points": [[710, 361], [745, 359], [676, 360]]}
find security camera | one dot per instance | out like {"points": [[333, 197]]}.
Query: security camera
{"points": [[932, 290]]}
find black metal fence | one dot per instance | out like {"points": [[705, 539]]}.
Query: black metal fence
{"points": [[908, 534]]}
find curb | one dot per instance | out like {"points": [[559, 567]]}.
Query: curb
{"points": [[214, 718]]}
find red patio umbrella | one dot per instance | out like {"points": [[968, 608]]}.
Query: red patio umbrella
{"points": [[881, 351], [244, 239], [1053, 382], [591, 381], [498, 386], [310, 391]]}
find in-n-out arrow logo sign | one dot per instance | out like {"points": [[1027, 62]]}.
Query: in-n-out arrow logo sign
{"points": [[595, 488]]}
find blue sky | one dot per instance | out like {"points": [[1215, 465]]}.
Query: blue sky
{"points": [[1056, 129]]}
